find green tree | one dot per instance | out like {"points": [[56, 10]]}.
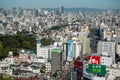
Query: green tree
{"points": [[1, 49], [46, 42], [6, 77], [26, 44], [12, 43], [1, 46], [58, 27]]}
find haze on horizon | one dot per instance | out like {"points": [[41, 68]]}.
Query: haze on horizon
{"points": [[37, 4]]}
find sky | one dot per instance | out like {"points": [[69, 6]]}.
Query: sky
{"points": [[37, 4]]}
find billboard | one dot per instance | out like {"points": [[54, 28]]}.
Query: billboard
{"points": [[56, 51], [97, 69], [70, 48], [94, 59]]}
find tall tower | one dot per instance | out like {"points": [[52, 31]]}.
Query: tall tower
{"points": [[62, 10]]}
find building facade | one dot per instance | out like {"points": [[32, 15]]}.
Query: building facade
{"points": [[56, 60], [107, 48]]}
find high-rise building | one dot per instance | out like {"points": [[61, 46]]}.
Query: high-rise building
{"points": [[20, 10], [107, 48], [35, 13], [77, 50], [70, 50], [118, 49], [62, 9], [43, 52], [14, 11], [56, 60], [27, 12], [64, 51], [85, 43], [38, 42]]}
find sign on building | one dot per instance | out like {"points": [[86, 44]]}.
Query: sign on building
{"points": [[56, 51], [97, 69], [94, 59]]}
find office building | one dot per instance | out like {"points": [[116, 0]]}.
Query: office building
{"points": [[43, 52], [118, 49], [70, 50], [78, 50], [85, 43], [116, 39], [106, 48], [62, 10], [56, 60]]}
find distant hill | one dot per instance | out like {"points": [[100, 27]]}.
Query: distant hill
{"points": [[82, 9]]}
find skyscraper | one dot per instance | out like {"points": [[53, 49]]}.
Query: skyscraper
{"points": [[62, 10]]}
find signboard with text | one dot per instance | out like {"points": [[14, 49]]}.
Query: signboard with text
{"points": [[94, 59], [56, 51], [97, 69]]}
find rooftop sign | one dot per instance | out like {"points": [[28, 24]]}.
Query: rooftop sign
{"points": [[56, 51], [97, 69]]}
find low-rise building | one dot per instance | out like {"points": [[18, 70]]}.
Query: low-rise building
{"points": [[113, 72], [48, 67]]}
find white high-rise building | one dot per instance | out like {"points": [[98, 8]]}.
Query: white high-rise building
{"points": [[75, 50], [107, 48], [118, 49], [42, 51], [38, 42]]}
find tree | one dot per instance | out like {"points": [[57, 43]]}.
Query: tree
{"points": [[1, 46], [58, 27], [46, 42], [25, 44], [12, 43], [1, 49], [6, 77], [78, 58]]}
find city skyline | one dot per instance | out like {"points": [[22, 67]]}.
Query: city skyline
{"points": [[37, 4]]}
